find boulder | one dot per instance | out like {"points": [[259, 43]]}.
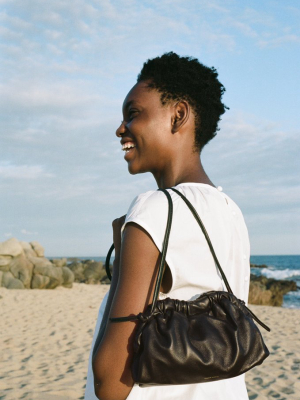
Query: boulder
{"points": [[267, 291], [4, 262], [1, 275], [28, 250], [38, 248], [54, 274], [68, 277], [39, 282], [94, 272], [78, 270], [40, 261], [258, 266], [25, 245], [6, 278], [22, 268], [10, 247], [259, 295], [15, 284], [60, 262]]}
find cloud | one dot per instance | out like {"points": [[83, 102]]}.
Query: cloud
{"points": [[46, 98], [25, 232], [8, 234], [28, 172], [279, 41]]}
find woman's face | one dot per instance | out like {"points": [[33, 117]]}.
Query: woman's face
{"points": [[146, 130]]}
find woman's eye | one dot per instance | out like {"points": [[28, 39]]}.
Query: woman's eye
{"points": [[132, 113]]}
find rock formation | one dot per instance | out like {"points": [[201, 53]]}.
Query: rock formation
{"points": [[88, 271], [23, 266], [258, 266], [267, 291]]}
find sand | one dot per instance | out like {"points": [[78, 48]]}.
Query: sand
{"points": [[45, 338]]}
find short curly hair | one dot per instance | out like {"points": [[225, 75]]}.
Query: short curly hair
{"points": [[185, 78]]}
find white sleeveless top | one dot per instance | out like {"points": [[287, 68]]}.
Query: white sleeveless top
{"points": [[193, 269]]}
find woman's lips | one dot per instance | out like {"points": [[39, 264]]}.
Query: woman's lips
{"points": [[129, 153]]}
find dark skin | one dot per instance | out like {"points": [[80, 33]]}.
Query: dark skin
{"points": [[163, 136]]}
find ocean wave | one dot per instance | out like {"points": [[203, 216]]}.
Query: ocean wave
{"points": [[280, 274]]}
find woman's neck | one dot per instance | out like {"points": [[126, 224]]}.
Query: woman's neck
{"points": [[190, 171]]}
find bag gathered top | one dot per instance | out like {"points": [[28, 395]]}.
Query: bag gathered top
{"points": [[182, 342]]}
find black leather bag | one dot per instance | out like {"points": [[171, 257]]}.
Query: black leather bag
{"points": [[184, 342]]}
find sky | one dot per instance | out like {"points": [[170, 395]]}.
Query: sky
{"points": [[66, 67]]}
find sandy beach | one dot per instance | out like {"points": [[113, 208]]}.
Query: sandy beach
{"points": [[46, 337]]}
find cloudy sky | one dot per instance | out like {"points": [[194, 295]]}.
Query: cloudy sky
{"points": [[66, 67]]}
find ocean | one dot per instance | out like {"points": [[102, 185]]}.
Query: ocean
{"points": [[278, 267]]}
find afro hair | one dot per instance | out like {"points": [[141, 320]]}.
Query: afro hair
{"points": [[185, 78]]}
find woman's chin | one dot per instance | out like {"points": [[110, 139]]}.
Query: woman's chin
{"points": [[132, 169]]}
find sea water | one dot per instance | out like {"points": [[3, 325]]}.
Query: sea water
{"points": [[278, 267]]}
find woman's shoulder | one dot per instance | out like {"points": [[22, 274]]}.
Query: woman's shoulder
{"points": [[150, 200], [148, 210], [209, 197]]}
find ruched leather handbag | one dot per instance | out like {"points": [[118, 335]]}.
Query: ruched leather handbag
{"points": [[182, 342]]}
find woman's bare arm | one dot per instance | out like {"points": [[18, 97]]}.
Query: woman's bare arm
{"points": [[116, 225], [112, 289], [139, 260]]}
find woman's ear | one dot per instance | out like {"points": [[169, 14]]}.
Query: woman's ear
{"points": [[180, 116]]}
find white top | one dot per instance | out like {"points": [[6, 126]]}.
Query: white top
{"points": [[193, 269]]}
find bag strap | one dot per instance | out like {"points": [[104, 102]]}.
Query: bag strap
{"points": [[200, 223], [164, 250]]}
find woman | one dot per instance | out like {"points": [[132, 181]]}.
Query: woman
{"points": [[168, 117]]}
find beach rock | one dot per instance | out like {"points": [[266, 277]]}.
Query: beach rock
{"points": [[39, 249], [60, 262], [78, 270], [6, 278], [28, 250], [68, 277], [25, 245], [94, 272], [258, 266], [268, 291], [10, 282], [4, 263], [39, 282], [10, 247], [15, 284], [54, 274], [259, 295], [22, 269], [40, 262], [23, 265]]}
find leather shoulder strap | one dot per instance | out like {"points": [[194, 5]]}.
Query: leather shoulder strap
{"points": [[198, 219], [164, 249]]}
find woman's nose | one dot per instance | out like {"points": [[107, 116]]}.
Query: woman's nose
{"points": [[121, 130]]}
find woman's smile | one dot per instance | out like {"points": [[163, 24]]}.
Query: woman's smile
{"points": [[129, 153], [129, 148]]}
